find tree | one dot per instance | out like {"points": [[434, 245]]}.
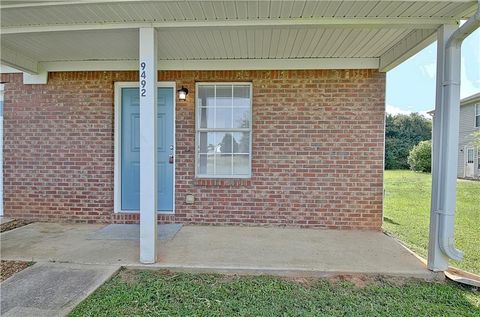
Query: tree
{"points": [[402, 133], [420, 157], [476, 138]]}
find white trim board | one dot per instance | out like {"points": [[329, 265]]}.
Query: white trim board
{"points": [[218, 64], [357, 22], [117, 191]]}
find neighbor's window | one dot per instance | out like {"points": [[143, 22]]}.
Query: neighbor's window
{"points": [[223, 130], [477, 115], [478, 158]]}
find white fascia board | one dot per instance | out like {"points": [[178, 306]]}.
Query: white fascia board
{"points": [[410, 45], [408, 23], [39, 79], [470, 99], [220, 64], [4, 69], [17, 60]]}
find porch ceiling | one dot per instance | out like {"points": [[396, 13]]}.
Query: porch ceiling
{"points": [[71, 35]]}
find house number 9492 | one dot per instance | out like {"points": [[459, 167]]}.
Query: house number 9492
{"points": [[143, 81]]}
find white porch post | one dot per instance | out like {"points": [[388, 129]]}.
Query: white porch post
{"points": [[438, 260], [148, 133]]}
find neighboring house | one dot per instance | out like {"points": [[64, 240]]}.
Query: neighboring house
{"points": [[468, 152], [283, 123]]}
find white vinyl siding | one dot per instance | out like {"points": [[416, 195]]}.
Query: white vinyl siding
{"points": [[223, 130]]}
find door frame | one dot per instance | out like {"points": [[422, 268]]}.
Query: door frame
{"points": [[117, 203], [465, 161]]}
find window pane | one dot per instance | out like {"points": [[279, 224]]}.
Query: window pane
{"points": [[206, 117], [470, 155], [223, 164], [477, 121], [224, 118], [224, 96], [241, 96], [206, 96], [206, 142], [241, 117], [478, 158], [223, 142], [241, 164], [241, 142], [205, 164]]}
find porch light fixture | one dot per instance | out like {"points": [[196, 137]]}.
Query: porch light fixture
{"points": [[182, 93]]}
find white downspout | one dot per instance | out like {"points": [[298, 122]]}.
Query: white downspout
{"points": [[451, 99]]}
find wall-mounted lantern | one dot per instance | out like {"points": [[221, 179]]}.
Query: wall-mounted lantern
{"points": [[182, 93]]}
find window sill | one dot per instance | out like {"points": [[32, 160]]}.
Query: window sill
{"points": [[223, 182]]}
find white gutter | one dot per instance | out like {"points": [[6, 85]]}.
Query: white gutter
{"points": [[451, 99]]}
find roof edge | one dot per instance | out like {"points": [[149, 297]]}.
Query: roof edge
{"points": [[469, 99]]}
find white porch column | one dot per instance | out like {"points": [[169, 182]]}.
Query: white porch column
{"points": [[444, 157], [148, 133]]}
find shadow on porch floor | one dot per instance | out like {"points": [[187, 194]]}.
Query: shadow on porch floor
{"points": [[222, 249]]}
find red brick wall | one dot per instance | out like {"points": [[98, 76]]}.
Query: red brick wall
{"points": [[317, 150]]}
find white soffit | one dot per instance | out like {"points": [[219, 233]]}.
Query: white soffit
{"points": [[81, 12], [221, 34]]}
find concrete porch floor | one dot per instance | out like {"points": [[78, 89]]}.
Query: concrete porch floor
{"points": [[252, 250]]}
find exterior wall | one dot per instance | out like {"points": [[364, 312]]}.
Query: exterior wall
{"points": [[467, 127], [318, 148]]}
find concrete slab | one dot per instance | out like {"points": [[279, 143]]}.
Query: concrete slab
{"points": [[132, 232], [276, 250], [44, 242], [223, 249], [51, 289]]}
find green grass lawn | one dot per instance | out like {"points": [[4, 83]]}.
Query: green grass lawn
{"points": [[407, 214], [160, 293]]}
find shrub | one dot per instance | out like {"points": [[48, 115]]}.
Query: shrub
{"points": [[420, 157]]}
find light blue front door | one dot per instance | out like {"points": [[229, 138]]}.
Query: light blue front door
{"points": [[130, 161]]}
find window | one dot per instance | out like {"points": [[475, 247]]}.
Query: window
{"points": [[478, 158], [477, 115], [223, 130], [470, 156]]}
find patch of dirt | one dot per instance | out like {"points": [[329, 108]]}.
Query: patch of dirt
{"points": [[304, 281], [362, 280], [14, 224], [127, 276], [8, 268], [358, 280]]}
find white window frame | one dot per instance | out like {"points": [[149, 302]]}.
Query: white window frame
{"points": [[477, 115], [117, 192], [198, 130]]}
